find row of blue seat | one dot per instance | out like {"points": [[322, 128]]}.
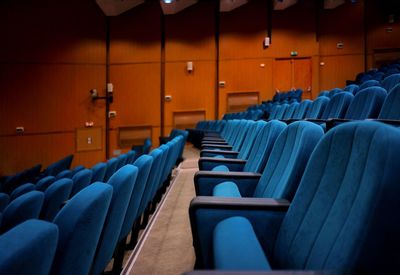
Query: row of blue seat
{"points": [[95, 221], [321, 201], [383, 72]]}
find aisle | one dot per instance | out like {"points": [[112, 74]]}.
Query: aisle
{"points": [[167, 248]]}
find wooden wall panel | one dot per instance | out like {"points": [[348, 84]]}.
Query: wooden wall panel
{"points": [[338, 69], [189, 91], [242, 31], [136, 35], [189, 36], [52, 54]]}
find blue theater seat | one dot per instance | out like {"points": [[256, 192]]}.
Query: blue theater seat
{"points": [[25, 207], [343, 217], [54, 197], [24, 188], [80, 223], [4, 200], [111, 168], [44, 183], [99, 171], [389, 82], [122, 182], [81, 180], [28, 248]]}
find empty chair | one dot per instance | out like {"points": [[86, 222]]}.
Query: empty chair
{"points": [[99, 172], [80, 223], [352, 88], [324, 93], [317, 107], [81, 180], [369, 83], [334, 91], [343, 217], [55, 196], [45, 182], [258, 155], [64, 174], [302, 109], [122, 159], [25, 207], [28, 248], [391, 106], [281, 174], [122, 182], [25, 188], [337, 106], [111, 168], [4, 200], [143, 163], [58, 166], [290, 110], [367, 103], [131, 157], [389, 82]]}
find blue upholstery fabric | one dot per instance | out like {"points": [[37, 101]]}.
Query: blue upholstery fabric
{"points": [[366, 104], [64, 174], [54, 197], [369, 83], [226, 189], [290, 110], [391, 105], [44, 183], [25, 188], [334, 92], [153, 179], [236, 246], [389, 82], [80, 223], [143, 163], [122, 159], [324, 93], [337, 106], [81, 180], [317, 107], [281, 111], [25, 207], [302, 109], [352, 88], [58, 166], [122, 182], [249, 139], [4, 200], [99, 172], [131, 157], [288, 159], [28, 248], [159, 180], [221, 168], [347, 203], [111, 168]]}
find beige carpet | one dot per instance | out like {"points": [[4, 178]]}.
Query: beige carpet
{"points": [[167, 247]]}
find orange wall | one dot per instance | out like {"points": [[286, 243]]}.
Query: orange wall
{"points": [[53, 53]]}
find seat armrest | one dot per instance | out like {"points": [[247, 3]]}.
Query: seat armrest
{"points": [[332, 122], [207, 164], [205, 213], [214, 142], [205, 181], [290, 120], [225, 153]]}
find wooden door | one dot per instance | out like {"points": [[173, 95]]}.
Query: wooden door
{"points": [[293, 73]]}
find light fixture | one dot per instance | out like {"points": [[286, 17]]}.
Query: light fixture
{"points": [[168, 1]]}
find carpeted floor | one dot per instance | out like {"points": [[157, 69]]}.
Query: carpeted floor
{"points": [[167, 245]]}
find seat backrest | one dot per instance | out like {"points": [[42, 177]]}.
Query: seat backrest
{"points": [[122, 182], [81, 179], [58, 166], [287, 160], [369, 83], [154, 174], [345, 213], [25, 207], [64, 174], [249, 139], [131, 156], [24, 188], [367, 103], [4, 200], [28, 248], [274, 111], [44, 183], [111, 168], [337, 106], [302, 109], [99, 171], [263, 145], [54, 197], [143, 163], [334, 91], [80, 223], [317, 107], [290, 110], [324, 93], [391, 105], [121, 160], [352, 88], [390, 81], [281, 111]]}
